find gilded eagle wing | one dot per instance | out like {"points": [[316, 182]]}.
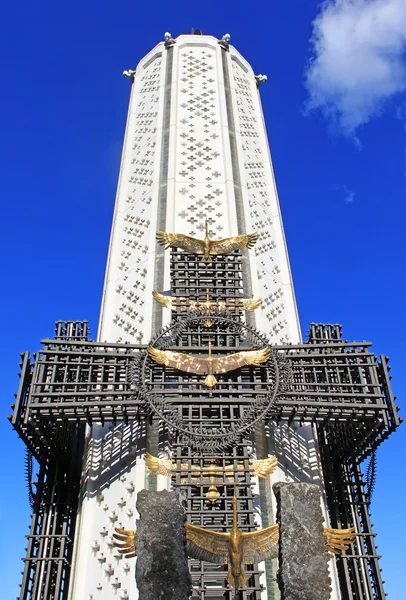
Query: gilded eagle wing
{"points": [[181, 361], [339, 539], [230, 362], [230, 244], [264, 466], [160, 466], [230, 470], [126, 541], [195, 471], [178, 240], [204, 544], [167, 466], [259, 545], [250, 304], [166, 301]]}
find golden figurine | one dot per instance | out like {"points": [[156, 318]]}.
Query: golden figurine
{"points": [[209, 366], [208, 306], [234, 548], [339, 539], [206, 247], [167, 467], [126, 541]]}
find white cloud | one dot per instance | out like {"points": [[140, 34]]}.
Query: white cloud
{"points": [[358, 59], [345, 193], [349, 196], [401, 113]]}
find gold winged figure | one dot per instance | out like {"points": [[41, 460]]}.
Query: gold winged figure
{"points": [[235, 548], [206, 246], [166, 466], [125, 541], [339, 539], [173, 302], [209, 366]]}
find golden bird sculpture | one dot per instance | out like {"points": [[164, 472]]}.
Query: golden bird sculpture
{"points": [[206, 246], [166, 466], [209, 366], [208, 306], [235, 548], [125, 541]]}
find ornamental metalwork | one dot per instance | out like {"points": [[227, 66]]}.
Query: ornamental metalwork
{"points": [[340, 386], [161, 397]]}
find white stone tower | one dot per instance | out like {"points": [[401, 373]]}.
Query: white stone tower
{"points": [[195, 148]]}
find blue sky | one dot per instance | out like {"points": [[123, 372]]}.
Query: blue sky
{"points": [[335, 107]]}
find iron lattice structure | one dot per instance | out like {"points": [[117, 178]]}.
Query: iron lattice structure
{"points": [[340, 387]]}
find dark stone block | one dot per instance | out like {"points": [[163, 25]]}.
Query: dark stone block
{"points": [[303, 559], [161, 570]]}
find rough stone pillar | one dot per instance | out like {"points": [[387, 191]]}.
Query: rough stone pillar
{"points": [[162, 570], [303, 560]]}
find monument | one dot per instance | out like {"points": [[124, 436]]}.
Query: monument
{"points": [[199, 381]]}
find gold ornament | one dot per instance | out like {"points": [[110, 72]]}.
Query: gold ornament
{"points": [[339, 539], [209, 366], [206, 247], [213, 494], [208, 306], [165, 466], [126, 541], [234, 548]]}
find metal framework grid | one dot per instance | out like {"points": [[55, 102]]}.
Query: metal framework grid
{"points": [[340, 387], [50, 540], [58, 448], [222, 280]]}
